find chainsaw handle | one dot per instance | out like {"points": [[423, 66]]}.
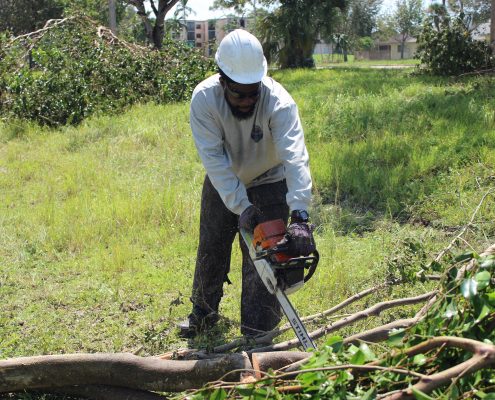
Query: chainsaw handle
{"points": [[312, 266]]}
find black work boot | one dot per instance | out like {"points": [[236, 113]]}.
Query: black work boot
{"points": [[198, 321]]}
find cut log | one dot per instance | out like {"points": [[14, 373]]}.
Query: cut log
{"points": [[122, 370], [262, 362]]}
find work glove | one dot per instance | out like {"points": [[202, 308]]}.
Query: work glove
{"points": [[299, 239], [250, 218]]}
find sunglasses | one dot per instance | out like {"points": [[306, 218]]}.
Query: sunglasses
{"points": [[237, 95]]}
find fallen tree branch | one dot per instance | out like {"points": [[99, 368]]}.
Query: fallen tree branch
{"points": [[269, 336], [375, 335], [122, 370], [483, 357], [374, 310]]}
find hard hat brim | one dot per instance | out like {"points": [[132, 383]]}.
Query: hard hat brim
{"points": [[246, 78]]}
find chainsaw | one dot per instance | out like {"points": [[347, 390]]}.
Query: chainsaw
{"points": [[281, 273]]}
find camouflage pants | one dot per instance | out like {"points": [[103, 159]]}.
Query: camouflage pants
{"points": [[260, 310]]}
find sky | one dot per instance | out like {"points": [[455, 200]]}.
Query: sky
{"points": [[201, 8]]}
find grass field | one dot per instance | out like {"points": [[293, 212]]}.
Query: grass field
{"points": [[99, 223], [337, 61]]}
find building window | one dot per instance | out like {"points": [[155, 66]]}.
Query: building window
{"points": [[198, 44], [190, 36], [384, 47], [399, 48], [198, 26], [190, 26], [198, 35], [212, 35]]}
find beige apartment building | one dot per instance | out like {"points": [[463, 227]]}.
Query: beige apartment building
{"points": [[206, 35]]}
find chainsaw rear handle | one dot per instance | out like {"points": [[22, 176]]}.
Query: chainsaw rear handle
{"points": [[312, 266]]}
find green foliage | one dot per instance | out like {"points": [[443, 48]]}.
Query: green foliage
{"points": [[446, 47], [288, 33], [23, 16], [364, 43], [457, 311], [73, 73], [98, 227]]}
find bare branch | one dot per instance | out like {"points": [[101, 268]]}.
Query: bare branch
{"points": [[374, 310], [464, 229], [483, 357]]}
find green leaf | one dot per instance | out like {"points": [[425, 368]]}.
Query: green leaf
{"points": [[450, 311], [245, 390], [335, 342], [489, 263], [369, 395], [483, 279], [260, 394], [218, 394], [489, 396], [352, 349], [358, 358], [419, 395], [395, 337], [485, 310], [454, 393], [491, 298], [469, 288], [465, 256], [435, 266], [419, 359], [368, 354], [309, 378]]}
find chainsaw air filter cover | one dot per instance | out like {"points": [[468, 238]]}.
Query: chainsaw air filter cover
{"points": [[267, 235]]}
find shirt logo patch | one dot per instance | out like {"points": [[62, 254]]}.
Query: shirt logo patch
{"points": [[256, 134]]}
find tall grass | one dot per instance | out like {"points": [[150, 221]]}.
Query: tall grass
{"points": [[99, 223], [380, 139]]}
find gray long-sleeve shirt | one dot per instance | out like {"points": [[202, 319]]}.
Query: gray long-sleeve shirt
{"points": [[265, 148]]}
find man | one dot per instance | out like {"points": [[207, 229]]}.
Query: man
{"points": [[249, 137]]}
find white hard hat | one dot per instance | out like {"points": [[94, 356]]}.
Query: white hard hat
{"points": [[240, 56]]}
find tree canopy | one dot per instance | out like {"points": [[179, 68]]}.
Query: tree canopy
{"points": [[289, 32], [23, 16]]}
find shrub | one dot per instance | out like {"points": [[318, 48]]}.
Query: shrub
{"points": [[75, 68], [446, 47]]}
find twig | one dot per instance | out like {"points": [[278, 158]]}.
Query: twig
{"points": [[465, 228], [50, 24], [354, 367]]}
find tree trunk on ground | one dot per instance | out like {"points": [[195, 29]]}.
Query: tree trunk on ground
{"points": [[121, 370]]}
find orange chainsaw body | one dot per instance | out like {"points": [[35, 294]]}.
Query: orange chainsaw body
{"points": [[268, 235]]}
